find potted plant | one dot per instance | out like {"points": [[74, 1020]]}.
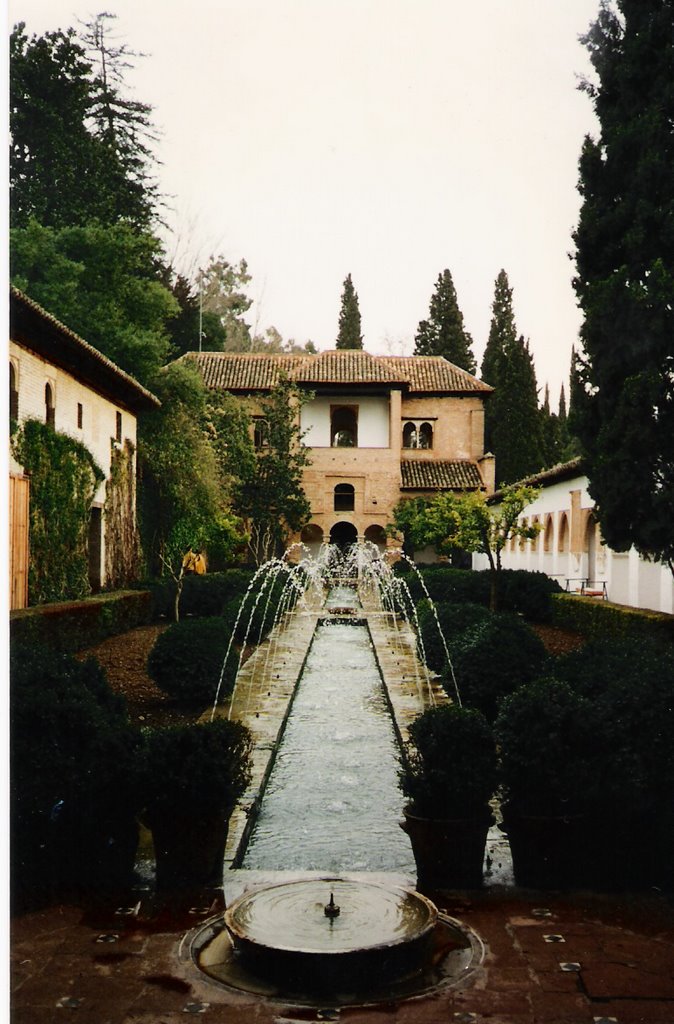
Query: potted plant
{"points": [[552, 779], [448, 774], [191, 777]]}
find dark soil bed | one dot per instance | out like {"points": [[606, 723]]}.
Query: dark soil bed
{"points": [[558, 641], [124, 659]]}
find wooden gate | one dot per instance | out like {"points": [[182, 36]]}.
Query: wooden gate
{"points": [[19, 500]]}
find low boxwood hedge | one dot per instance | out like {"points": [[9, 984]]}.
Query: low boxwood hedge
{"points": [[596, 618], [71, 626], [452, 620], [526, 593]]}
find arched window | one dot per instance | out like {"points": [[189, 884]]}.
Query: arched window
{"points": [[534, 543], [563, 543], [13, 394], [344, 427], [344, 498], [523, 541], [417, 434], [49, 410], [260, 432]]}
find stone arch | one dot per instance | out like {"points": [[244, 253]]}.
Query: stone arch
{"points": [[312, 537], [343, 534], [548, 531], [376, 535]]}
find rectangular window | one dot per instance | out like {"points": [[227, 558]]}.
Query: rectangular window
{"points": [[80, 415], [118, 427]]}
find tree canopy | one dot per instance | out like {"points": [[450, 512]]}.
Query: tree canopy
{"points": [[624, 404], [443, 333], [349, 334]]}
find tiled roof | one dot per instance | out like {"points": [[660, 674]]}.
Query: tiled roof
{"points": [[421, 475], [243, 371], [38, 330], [433, 373]]}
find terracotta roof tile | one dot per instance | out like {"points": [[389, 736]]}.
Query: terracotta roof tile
{"points": [[244, 371], [419, 475]]}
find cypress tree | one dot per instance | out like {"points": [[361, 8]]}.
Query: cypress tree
{"points": [[443, 334], [623, 406], [349, 335], [502, 334]]}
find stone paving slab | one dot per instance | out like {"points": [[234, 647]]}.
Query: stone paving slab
{"points": [[59, 972]]}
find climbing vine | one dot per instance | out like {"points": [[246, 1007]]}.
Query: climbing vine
{"points": [[122, 544], [63, 479]]}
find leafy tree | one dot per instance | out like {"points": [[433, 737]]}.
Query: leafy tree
{"points": [[192, 320], [100, 281], [183, 497], [623, 407], [268, 492], [222, 288], [349, 334], [467, 521], [443, 334], [63, 171]]}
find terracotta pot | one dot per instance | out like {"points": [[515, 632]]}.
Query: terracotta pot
{"points": [[189, 849], [449, 853], [554, 851]]}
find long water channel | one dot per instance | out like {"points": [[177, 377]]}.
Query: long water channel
{"points": [[332, 802]]}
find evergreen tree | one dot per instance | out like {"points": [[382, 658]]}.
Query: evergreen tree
{"points": [[349, 335], [502, 333], [443, 334], [64, 169], [623, 407], [513, 430], [549, 432]]}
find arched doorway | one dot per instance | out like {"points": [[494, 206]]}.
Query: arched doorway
{"points": [[312, 537], [376, 535], [342, 534]]}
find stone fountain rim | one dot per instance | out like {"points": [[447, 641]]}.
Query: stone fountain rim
{"points": [[388, 944]]}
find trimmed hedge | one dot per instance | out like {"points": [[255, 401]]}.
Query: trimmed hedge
{"points": [[202, 596], [187, 659], [492, 659], [593, 618], [525, 593], [72, 626]]}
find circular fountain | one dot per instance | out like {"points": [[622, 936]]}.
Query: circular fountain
{"points": [[353, 941]]}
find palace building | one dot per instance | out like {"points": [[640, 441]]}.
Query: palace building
{"points": [[380, 428]]}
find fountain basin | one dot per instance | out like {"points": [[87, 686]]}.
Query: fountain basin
{"points": [[284, 933], [386, 943]]}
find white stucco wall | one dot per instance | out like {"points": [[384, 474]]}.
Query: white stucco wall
{"points": [[99, 414], [373, 420], [629, 579]]}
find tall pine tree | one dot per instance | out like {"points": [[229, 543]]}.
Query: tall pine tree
{"points": [[443, 333], [512, 420], [623, 408], [349, 335]]}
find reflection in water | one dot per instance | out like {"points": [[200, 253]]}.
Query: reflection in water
{"points": [[332, 802]]}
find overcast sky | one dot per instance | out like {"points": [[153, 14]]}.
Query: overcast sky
{"points": [[387, 139]]}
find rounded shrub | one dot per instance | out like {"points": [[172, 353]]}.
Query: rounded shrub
{"points": [[492, 659], [449, 768], [194, 769], [453, 620], [547, 739], [73, 801], [187, 660], [207, 595], [528, 594]]}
